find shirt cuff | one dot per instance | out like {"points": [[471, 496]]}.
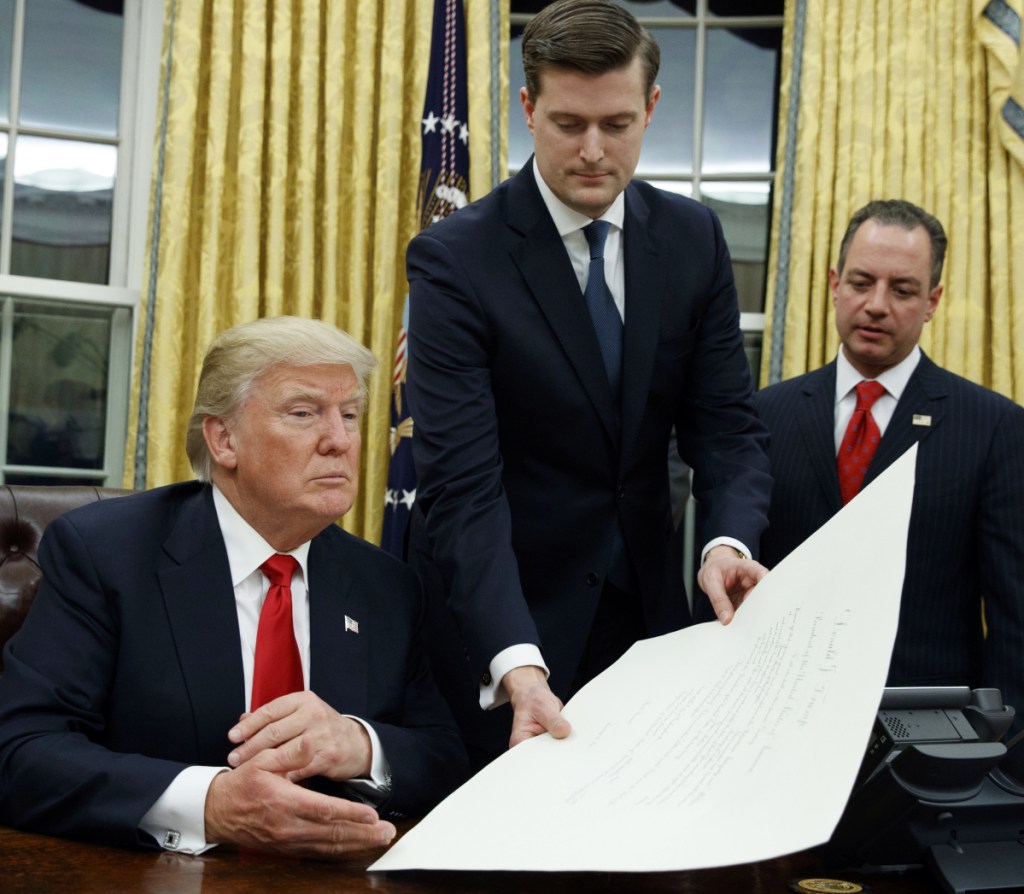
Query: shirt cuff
{"points": [[492, 693], [725, 541], [177, 820], [378, 785]]}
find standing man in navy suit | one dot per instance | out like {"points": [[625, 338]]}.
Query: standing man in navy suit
{"points": [[965, 547], [138, 706], [543, 526]]}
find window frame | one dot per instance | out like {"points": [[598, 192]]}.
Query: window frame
{"points": [[137, 116]]}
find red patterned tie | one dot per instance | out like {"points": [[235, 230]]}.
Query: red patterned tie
{"points": [[859, 442], [278, 668]]}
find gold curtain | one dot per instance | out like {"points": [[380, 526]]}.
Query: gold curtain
{"points": [[286, 175], [888, 99]]}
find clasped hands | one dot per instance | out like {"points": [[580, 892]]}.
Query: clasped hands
{"points": [[260, 803]]}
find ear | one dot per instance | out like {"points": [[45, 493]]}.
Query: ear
{"points": [[220, 441], [833, 283], [528, 107], [933, 302], [655, 96]]}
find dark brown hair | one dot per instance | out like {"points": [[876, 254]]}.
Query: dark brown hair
{"points": [[899, 213], [591, 36]]}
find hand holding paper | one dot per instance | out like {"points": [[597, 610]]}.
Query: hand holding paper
{"points": [[744, 746]]}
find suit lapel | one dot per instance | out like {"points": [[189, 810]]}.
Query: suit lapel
{"points": [[541, 258], [924, 397], [339, 651], [645, 289], [195, 580], [816, 422]]}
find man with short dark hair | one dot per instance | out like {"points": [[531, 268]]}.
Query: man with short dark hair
{"points": [[965, 546], [229, 623], [559, 328]]}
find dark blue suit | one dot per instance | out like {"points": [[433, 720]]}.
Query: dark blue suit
{"points": [[128, 667], [526, 464], [966, 537]]}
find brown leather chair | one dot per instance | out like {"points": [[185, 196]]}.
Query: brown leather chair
{"points": [[25, 511]]}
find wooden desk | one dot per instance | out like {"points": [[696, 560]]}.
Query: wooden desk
{"points": [[30, 864]]}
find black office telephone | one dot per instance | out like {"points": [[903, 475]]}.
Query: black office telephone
{"points": [[938, 788]]}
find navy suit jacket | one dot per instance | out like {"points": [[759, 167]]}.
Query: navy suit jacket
{"points": [[966, 536], [128, 667], [525, 464]]}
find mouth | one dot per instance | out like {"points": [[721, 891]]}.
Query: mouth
{"points": [[334, 478], [871, 332]]}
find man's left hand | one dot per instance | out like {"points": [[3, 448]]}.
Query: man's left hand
{"points": [[727, 579], [339, 747]]}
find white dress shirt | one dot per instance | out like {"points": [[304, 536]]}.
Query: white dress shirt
{"points": [[894, 381], [177, 819]]}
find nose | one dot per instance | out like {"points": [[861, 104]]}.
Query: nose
{"points": [[338, 433], [876, 302], [591, 145]]}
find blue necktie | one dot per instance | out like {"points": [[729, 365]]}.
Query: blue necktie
{"points": [[604, 313]]}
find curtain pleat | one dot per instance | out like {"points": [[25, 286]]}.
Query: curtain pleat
{"points": [[286, 183], [886, 99]]}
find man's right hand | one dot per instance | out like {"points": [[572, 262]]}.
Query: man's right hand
{"points": [[536, 708], [256, 806]]}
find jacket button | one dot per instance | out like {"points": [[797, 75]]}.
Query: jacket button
{"points": [[622, 493], [485, 680], [591, 579]]}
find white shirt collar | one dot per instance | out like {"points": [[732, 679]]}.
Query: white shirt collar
{"points": [[246, 549], [568, 220], [894, 380]]}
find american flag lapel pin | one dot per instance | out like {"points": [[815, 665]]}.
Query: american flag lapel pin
{"points": [[920, 419], [351, 626]]}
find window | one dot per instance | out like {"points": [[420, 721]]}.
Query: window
{"points": [[713, 132], [77, 88]]}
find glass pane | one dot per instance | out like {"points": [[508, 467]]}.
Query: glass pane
{"points": [[3, 168], [752, 343], [58, 386], [680, 187], [743, 210], [739, 112], [71, 72], [725, 8], [6, 36], [668, 145], [661, 8], [63, 201], [639, 8]]}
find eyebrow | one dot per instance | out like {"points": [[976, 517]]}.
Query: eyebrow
{"points": [[856, 271]]}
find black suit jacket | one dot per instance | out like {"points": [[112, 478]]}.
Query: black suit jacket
{"points": [[966, 536], [525, 464], [128, 667]]}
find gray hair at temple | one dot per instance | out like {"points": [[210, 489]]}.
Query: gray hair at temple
{"points": [[899, 213], [590, 36], [240, 355]]}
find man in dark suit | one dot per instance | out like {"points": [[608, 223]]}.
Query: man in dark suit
{"points": [[147, 668], [543, 526], [965, 547]]}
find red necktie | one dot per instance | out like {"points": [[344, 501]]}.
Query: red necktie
{"points": [[278, 668], [859, 442]]}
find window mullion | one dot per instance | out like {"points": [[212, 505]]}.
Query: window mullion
{"points": [[7, 211]]}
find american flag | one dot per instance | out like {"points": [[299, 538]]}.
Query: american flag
{"points": [[444, 188]]}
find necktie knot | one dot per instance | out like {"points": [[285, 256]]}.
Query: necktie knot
{"points": [[597, 234], [279, 568], [868, 393]]}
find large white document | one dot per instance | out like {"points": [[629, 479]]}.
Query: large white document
{"points": [[710, 746]]}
